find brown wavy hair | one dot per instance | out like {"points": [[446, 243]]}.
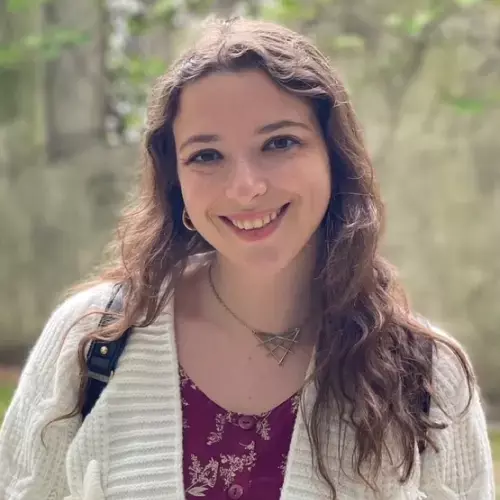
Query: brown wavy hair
{"points": [[371, 362]]}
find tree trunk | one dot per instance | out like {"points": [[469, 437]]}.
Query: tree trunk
{"points": [[22, 136], [75, 82]]}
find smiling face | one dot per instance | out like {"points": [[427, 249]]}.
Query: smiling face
{"points": [[253, 167]]}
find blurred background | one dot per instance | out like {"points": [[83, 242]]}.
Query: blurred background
{"points": [[424, 76]]}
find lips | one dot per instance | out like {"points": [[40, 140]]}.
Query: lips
{"points": [[249, 222]]}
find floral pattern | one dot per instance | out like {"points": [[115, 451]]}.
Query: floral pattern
{"points": [[224, 449], [184, 381], [202, 478], [232, 464], [221, 419]]}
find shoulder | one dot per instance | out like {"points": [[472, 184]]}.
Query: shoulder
{"points": [[78, 313], [48, 389], [72, 315], [56, 348], [80, 302], [453, 377], [461, 465]]}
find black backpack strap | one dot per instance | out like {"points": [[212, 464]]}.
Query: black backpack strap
{"points": [[103, 356]]}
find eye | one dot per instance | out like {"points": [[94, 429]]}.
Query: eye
{"points": [[205, 156], [281, 143]]}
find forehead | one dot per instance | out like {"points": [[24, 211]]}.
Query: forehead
{"points": [[237, 100]]}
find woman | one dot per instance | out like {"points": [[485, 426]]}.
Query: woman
{"points": [[273, 355]]}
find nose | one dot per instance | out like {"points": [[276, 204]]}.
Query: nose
{"points": [[246, 183]]}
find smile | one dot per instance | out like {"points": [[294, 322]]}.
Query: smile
{"points": [[255, 222], [258, 225]]}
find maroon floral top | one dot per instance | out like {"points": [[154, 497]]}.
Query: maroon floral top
{"points": [[229, 455]]}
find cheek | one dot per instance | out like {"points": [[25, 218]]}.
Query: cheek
{"points": [[190, 184], [198, 191], [190, 194], [317, 192], [319, 201], [325, 184], [312, 181]]}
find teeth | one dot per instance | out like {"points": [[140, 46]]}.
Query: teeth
{"points": [[255, 223]]}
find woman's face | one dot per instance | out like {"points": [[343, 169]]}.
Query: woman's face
{"points": [[253, 168]]}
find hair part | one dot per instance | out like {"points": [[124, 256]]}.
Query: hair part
{"points": [[371, 363]]}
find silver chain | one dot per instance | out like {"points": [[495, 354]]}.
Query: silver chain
{"points": [[223, 304], [272, 342]]}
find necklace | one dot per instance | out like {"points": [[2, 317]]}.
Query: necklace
{"points": [[278, 345]]}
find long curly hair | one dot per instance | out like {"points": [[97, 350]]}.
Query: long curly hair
{"points": [[371, 356]]}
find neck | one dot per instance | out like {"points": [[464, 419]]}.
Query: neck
{"points": [[272, 303]]}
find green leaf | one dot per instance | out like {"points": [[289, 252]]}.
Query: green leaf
{"points": [[289, 11], [24, 5], [419, 21], [163, 9], [51, 44], [199, 7], [466, 105], [413, 25], [32, 41], [19, 5], [348, 42], [10, 56], [138, 25], [48, 45], [142, 70], [393, 20], [467, 3]]}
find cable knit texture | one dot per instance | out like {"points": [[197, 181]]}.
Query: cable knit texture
{"points": [[130, 446]]}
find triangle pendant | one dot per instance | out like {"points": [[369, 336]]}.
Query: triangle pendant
{"points": [[278, 345]]}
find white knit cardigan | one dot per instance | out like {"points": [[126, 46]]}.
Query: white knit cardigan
{"points": [[130, 446]]}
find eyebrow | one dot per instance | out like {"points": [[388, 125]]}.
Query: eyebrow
{"points": [[272, 127], [199, 139], [266, 129]]}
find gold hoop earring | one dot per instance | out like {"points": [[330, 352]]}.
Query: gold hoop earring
{"points": [[187, 221]]}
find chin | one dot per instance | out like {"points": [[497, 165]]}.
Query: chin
{"points": [[266, 259], [279, 252]]}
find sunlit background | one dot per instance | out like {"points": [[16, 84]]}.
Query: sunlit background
{"points": [[424, 76]]}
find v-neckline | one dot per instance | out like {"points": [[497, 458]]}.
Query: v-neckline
{"points": [[293, 471]]}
